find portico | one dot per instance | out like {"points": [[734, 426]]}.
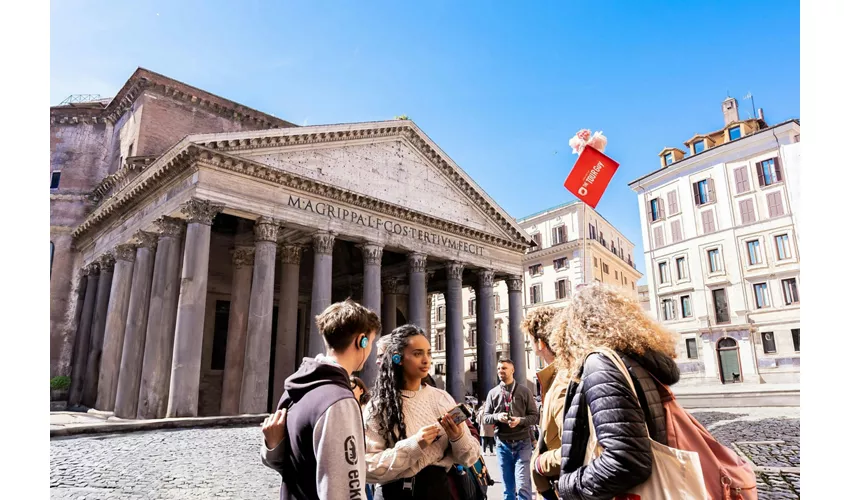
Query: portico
{"points": [[242, 238]]}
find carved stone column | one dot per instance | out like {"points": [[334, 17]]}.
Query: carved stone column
{"points": [[83, 337], [237, 329], [372, 255], [323, 246], [255, 375], [130, 375], [388, 311], [515, 336], [104, 287], [417, 298], [116, 322], [159, 339], [191, 306], [486, 342], [285, 363], [454, 331]]}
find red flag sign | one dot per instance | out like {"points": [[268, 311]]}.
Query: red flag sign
{"points": [[590, 176]]}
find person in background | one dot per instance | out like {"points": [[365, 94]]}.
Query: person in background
{"points": [[318, 446], [361, 393], [546, 459], [488, 440], [511, 407], [410, 442], [603, 316]]}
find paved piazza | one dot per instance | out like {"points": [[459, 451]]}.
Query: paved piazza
{"points": [[225, 463]]}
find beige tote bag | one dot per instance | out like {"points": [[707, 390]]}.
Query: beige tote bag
{"points": [[676, 474]]}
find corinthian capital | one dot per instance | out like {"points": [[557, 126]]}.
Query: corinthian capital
{"points": [[485, 277], [146, 239], [514, 283], [169, 227], [389, 285], [265, 229], [92, 269], [243, 256], [126, 252], [417, 262], [107, 262], [290, 254], [323, 243], [372, 253], [201, 211], [454, 270]]}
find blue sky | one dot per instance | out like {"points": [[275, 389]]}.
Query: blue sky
{"points": [[500, 86]]}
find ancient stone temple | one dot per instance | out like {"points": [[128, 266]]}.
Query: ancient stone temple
{"points": [[193, 239]]}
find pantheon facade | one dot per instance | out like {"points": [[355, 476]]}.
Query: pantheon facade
{"points": [[193, 241]]}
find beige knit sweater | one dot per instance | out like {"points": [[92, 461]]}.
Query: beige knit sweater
{"points": [[406, 458]]}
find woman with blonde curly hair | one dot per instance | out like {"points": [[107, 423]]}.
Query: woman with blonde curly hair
{"points": [[599, 316]]}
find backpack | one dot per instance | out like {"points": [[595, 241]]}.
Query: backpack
{"points": [[727, 476]]}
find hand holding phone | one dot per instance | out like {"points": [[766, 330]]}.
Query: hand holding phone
{"points": [[458, 414], [452, 421]]}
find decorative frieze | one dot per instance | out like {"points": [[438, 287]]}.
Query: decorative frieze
{"points": [[126, 252], [454, 270], [514, 283], [417, 262], [290, 254], [146, 239], [485, 277], [243, 257], [265, 229], [372, 253], [201, 211], [389, 285], [323, 243], [107, 262], [169, 227]]}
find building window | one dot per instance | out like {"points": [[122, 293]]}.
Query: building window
{"points": [[616, 275], [789, 291], [561, 263], [656, 209], [769, 172], [673, 201], [681, 268], [497, 302], [440, 369], [592, 231], [774, 204], [130, 150], [795, 336], [440, 341], [54, 179], [658, 232], [441, 313], [562, 289], [691, 346], [536, 293], [699, 146], [742, 180], [735, 133], [708, 222], [783, 247], [536, 269], [633, 285], [675, 232], [721, 307], [760, 290], [538, 241], [605, 268], [748, 212], [703, 192], [668, 309], [559, 235], [471, 307], [754, 252], [473, 337], [668, 158], [663, 274], [473, 366], [714, 263], [595, 262], [685, 301], [768, 342]]}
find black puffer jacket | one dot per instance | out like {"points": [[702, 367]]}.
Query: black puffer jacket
{"points": [[619, 421]]}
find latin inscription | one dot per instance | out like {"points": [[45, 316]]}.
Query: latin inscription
{"points": [[390, 226]]}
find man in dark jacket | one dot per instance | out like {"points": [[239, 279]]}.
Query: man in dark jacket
{"points": [[319, 447], [619, 422], [512, 409]]}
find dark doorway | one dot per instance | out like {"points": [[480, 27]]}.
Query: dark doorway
{"points": [[273, 348], [219, 348], [729, 360]]}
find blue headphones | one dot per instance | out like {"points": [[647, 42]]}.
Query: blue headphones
{"points": [[397, 358], [364, 342]]}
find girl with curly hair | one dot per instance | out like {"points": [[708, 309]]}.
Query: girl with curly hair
{"points": [[599, 316], [410, 443]]}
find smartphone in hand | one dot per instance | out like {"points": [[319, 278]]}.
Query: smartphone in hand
{"points": [[459, 413]]}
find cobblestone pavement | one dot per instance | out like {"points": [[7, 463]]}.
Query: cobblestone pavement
{"points": [[225, 462]]}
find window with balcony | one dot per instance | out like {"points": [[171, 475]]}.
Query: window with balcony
{"points": [[789, 291], [754, 252], [691, 347], [769, 172], [783, 247], [761, 295]]}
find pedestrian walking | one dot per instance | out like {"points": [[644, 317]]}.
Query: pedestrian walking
{"points": [[410, 442], [488, 439], [511, 408]]}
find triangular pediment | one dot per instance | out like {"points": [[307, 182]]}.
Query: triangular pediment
{"points": [[391, 161]]}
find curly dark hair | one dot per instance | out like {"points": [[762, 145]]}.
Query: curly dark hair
{"points": [[387, 402], [538, 322]]}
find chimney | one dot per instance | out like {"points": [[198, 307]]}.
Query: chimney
{"points": [[730, 110], [761, 114]]}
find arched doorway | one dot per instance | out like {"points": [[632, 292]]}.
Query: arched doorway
{"points": [[729, 361]]}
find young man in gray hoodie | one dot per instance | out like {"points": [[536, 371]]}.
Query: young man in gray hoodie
{"points": [[319, 447]]}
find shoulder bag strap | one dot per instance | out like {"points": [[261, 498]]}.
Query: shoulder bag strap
{"points": [[615, 358]]}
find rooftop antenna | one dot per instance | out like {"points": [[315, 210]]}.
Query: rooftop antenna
{"points": [[753, 101]]}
